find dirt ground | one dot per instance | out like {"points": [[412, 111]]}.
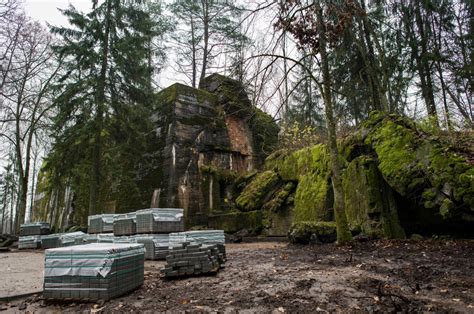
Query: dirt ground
{"points": [[21, 272], [278, 277]]}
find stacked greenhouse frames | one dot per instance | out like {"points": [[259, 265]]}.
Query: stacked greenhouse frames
{"points": [[97, 271]]}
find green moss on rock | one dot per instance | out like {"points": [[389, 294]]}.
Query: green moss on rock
{"points": [[257, 191], [305, 232], [313, 198], [291, 166], [235, 221], [413, 163], [369, 204]]}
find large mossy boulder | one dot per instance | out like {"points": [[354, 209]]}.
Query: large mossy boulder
{"points": [[393, 175], [419, 167]]}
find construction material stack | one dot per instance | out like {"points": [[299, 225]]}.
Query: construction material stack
{"points": [[125, 224], [51, 241], [156, 245], [98, 271], [101, 223], [187, 259], [216, 237], [29, 242], [160, 220], [35, 228], [72, 238]]}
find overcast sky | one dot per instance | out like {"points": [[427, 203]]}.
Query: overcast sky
{"points": [[47, 10]]}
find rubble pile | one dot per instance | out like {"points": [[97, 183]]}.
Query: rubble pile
{"points": [[97, 271]]}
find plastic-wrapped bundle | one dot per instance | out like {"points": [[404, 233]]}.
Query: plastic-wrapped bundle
{"points": [[90, 238], [97, 271], [125, 224], [156, 245], [50, 241], [29, 242], [105, 238], [101, 223], [160, 220], [35, 228], [199, 236], [72, 238]]}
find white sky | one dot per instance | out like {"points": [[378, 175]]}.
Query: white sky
{"points": [[47, 10]]}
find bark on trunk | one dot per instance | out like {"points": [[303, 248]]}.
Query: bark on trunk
{"points": [[343, 233]]}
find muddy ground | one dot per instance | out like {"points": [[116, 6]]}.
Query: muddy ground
{"points": [[278, 277]]}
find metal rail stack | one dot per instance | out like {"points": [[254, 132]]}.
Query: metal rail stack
{"points": [[125, 224], [160, 220], [35, 228], [97, 271]]}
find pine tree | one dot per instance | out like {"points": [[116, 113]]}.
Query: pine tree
{"points": [[106, 86]]}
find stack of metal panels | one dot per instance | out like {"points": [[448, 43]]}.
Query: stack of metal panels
{"points": [[72, 238], [101, 223], [160, 220], [97, 271], [35, 228], [156, 245], [192, 259], [125, 224], [50, 241], [29, 242]]}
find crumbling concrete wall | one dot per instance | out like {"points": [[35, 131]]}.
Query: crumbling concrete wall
{"points": [[208, 138]]}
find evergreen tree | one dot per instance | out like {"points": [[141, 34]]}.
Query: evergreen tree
{"points": [[103, 96]]}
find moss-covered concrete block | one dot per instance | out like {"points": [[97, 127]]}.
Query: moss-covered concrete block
{"points": [[257, 191], [235, 221], [305, 232], [369, 202]]}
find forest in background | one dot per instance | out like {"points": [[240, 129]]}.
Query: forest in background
{"points": [[81, 95]]}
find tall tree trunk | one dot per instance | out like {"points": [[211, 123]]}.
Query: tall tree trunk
{"points": [[99, 119], [205, 53], [423, 66], [343, 233], [194, 48]]}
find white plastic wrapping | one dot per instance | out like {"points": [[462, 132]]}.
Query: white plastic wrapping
{"points": [[87, 260]]}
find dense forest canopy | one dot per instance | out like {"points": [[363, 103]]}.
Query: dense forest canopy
{"points": [[77, 100]]}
